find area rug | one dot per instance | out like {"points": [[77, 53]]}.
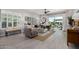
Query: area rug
{"points": [[44, 37]]}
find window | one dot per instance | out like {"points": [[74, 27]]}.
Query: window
{"points": [[9, 20], [4, 20], [4, 24], [51, 19], [56, 21], [9, 24], [15, 21], [30, 20], [58, 17], [14, 24]]}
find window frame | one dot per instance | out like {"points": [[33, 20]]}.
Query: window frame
{"points": [[9, 16]]}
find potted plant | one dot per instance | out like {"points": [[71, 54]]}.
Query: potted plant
{"points": [[70, 20]]}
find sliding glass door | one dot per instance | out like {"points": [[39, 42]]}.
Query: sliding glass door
{"points": [[56, 22]]}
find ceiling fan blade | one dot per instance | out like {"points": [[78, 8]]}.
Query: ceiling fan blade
{"points": [[46, 11]]}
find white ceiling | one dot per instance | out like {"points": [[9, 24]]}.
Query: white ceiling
{"points": [[41, 11], [37, 11]]}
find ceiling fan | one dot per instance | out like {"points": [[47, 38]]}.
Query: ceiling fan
{"points": [[44, 16], [46, 11]]}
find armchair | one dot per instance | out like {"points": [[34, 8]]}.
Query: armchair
{"points": [[30, 32]]}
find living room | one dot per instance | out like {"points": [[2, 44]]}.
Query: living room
{"points": [[34, 28]]}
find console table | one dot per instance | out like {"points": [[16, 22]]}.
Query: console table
{"points": [[72, 36], [12, 32]]}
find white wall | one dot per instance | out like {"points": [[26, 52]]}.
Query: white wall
{"points": [[65, 23]]}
